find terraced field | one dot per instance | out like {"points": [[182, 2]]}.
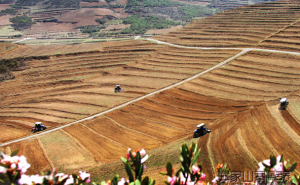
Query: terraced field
{"points": [[238, 100], [62, 89], [271, 25]]}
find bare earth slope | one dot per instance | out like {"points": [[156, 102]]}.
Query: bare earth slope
{"points": [[270, 25], [238, 100]]}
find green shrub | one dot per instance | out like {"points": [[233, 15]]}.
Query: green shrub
{"points": [[21, 22]]}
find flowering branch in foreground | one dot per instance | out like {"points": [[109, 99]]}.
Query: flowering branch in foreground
{"points": [[13, 169], [189, 173]]}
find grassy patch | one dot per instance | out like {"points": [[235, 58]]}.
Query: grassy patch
{"points": [[8, 31]]}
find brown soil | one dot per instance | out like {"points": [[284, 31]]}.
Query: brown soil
{"points": [[238, 101], [4, 6], [87, 16], [35, 156]]}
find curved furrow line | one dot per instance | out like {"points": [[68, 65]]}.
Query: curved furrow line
{"points": [[155, 77], [184, 123], [263, 74], [197, 117], [81, 64], [197, 105], [35, 112], [105, 136], [28, 107], [164, 124], [242, 87], [176, 62], [131, 129], [184, 66], [292, 122], [211, 100], [150, 128], [260, 71], [169, 103], [229, 91], [252, 80], [280, 141]]}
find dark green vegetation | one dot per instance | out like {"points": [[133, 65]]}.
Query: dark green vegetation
{"points": [[62, 4], [49, 4], [20, 3], [167, 9], [8, 11], [90, 1], [7, 66], [140, 25], [6, 1], [21, 22], [143, 14]]}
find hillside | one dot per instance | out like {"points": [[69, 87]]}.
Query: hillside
{"points": [[243, 66], [63, 19]]}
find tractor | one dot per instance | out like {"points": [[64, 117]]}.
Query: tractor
{"points": [[38, 127], [201, 130], [283, 103], [118, 89]]}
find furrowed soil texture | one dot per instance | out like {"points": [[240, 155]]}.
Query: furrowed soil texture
{"points": [[270, 25], [238, 101]]}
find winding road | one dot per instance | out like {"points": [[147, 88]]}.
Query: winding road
{"points": [[243, 51]]}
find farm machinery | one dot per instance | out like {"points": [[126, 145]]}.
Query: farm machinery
{"points": [[201, 130], [118, 89], [283, 103], [38, 127]]}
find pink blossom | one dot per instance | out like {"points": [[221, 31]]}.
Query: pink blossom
{"points": [[70, 180], [62, 176], [25, 179], [84, 175], [215, 180], [122, 182], [143, 152], [13, 166], [36, 179], [195, 170], [22, 164], [203, 176], [3, 170], [128, 154], [15, 162], [188, 179], [172, 180]]}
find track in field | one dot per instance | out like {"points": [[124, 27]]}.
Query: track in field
{"points": [[238, 100]]}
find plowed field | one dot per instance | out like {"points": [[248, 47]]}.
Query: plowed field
{"points": [[238, 101], [270, 25]]}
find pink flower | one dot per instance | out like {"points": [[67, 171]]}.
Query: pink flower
{"points": [[36, 179], [143, 152], [128, 155], [61, 176], [195, 170], [183, 179], [70, 180], [3, 170], [122, 182], [22, 164], [25, 179], [203, 176], [215, 180], [172, 180], [84, 175], [15, 162]]}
